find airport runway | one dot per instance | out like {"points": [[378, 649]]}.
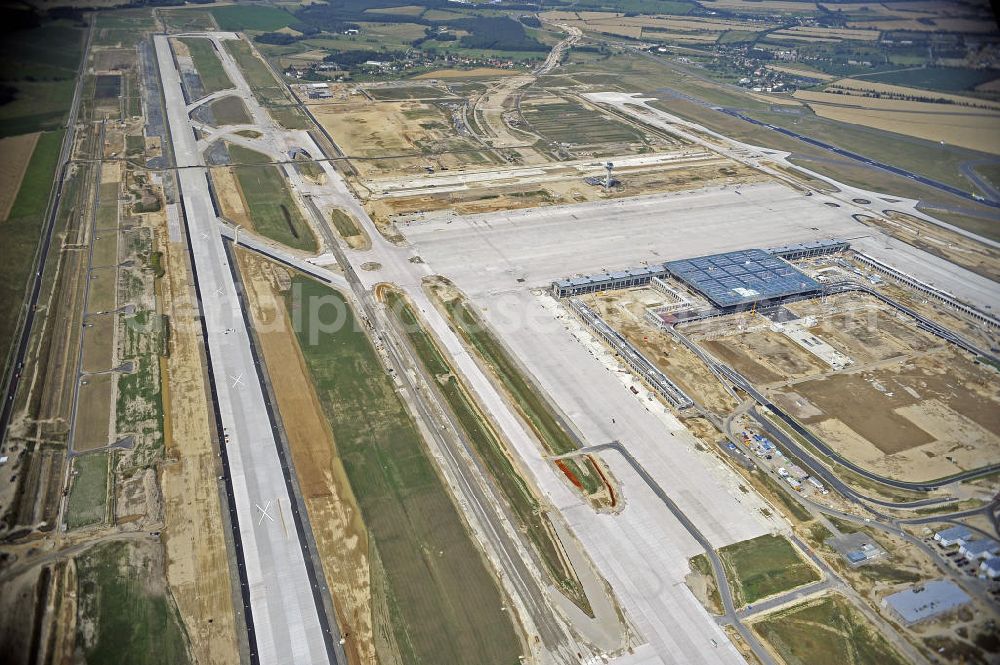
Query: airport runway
{"points": [[287, 624]]}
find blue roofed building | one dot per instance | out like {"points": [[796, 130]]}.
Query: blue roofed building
{"points": [[743, 277], [980, 549]]}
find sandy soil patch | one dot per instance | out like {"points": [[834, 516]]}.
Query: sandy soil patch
{"points": [[887, 90], [976, 132], [16, 151], [93, 424], [227, 191]]}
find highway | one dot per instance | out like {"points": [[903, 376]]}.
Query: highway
{"points": [[285, 616]]}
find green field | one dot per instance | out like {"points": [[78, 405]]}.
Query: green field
{"points": [[275, 214], [949, 79], [121, 597], [488, 445], [536, 411], [41, 66], [230, 111], [827, 631], [764, 566], [444, 605], [88, 495], [21, 233], [240, 155], [252, 17], [206, 61], [290, 117], [139, 409], [187, 20], [345, 224], [265, 88]]}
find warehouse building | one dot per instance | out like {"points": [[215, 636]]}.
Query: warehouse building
{"points": [[926, 601]]}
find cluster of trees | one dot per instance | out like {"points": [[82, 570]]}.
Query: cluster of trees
{"points": [[486, 32], [499, 33], [349, 59]]}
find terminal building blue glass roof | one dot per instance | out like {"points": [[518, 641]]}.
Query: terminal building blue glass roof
{"points": [[742, 277]]}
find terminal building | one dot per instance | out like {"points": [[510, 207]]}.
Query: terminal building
{"points": [[734, 279], [606, 281], [728, 280]]}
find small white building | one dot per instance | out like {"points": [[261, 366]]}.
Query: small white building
{"points": [[990, 568], [955, 535], [980, 549]]}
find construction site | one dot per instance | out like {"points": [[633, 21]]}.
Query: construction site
{"points": [[479, 369]]}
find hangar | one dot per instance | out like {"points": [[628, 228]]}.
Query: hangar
{"points": [[742, 277]]}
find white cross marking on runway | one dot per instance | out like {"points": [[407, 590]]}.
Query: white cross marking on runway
{"points": [[219, 291], [264, 513], [237, 380]]}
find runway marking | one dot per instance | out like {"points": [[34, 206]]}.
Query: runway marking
{"points": [[219, 291], [237, 380], [264, 512]]}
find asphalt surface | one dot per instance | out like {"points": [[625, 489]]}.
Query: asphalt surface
{"points": [[287, 623], [725, 593]]}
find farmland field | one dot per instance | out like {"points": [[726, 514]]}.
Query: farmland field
{"points": [[41, 66], [125, 613], [764, 566], [213, 76], [17, 151], [21, 232], [444, 605], [252, 17], [88, 496], [947, 79], [275, 214], [827, 631]]}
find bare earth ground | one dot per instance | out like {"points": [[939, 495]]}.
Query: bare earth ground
{"points": [[197, 564], [16, 151], [625, 310], [362, 128], [909, 407], [333, 512], [227, 189]]}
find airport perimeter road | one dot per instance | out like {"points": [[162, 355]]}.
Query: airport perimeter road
{"points": [[284, 618]]}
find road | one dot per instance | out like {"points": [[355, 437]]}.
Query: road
{"points": [[285, 616], [14, 367], [725, 592]]}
